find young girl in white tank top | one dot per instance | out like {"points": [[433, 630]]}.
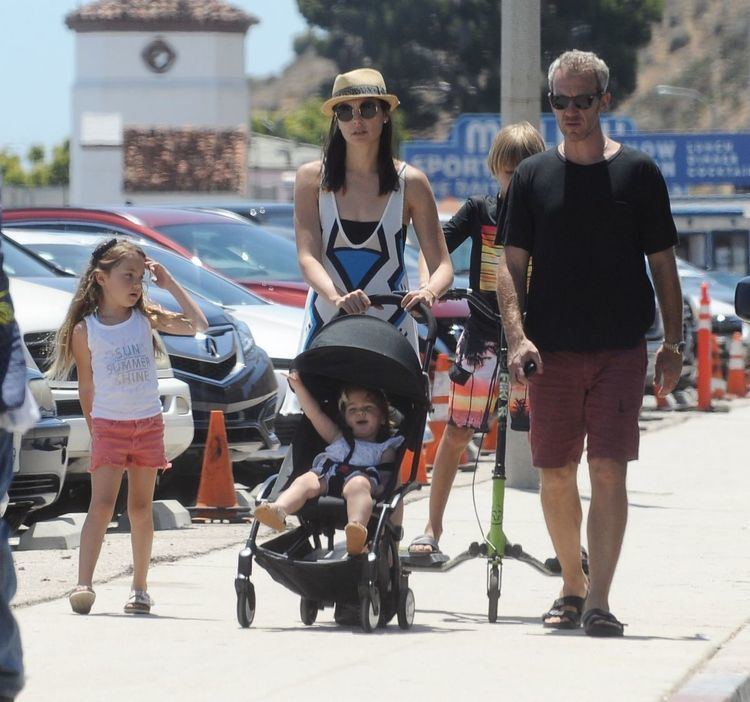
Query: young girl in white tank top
{"points": [[107, 335]]}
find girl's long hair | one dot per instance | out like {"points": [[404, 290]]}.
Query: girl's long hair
{"points": [[334, 158], [89, 296]]}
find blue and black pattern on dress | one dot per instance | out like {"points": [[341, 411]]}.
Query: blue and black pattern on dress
{"points": [[375, 266]]}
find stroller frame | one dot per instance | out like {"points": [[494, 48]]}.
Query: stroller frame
{"points": [[371, 588]]}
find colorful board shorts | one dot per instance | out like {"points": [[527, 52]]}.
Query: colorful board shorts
{"points": [[597, 396], [128, 443], [472, 399]]}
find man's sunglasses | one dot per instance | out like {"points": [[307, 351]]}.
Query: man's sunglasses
{"points": [[367, 110], [582, 102]]}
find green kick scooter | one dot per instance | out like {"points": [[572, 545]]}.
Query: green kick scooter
{"points": [[495, 546]]}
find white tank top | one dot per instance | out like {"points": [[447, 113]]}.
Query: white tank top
{"points": [[376, 265], [124, 368]]}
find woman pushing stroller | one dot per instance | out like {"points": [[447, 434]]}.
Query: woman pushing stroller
{"points": [[348, 467]]}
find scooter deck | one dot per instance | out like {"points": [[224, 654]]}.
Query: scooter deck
{"points": [[441, 562]]}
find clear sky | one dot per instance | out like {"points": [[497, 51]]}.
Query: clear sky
{"points": [[36, 62]]}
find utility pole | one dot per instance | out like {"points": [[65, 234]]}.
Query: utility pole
{"points": [[520, 55]]}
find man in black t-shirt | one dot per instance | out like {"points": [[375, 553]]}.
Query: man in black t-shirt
{"points": [[472, 398], [589, 213]]}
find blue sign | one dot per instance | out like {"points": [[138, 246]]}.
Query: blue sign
{"points": [[693, 159], [458, 167]]}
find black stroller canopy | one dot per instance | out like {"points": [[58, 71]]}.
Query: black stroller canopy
{"points": [[364, 350]]}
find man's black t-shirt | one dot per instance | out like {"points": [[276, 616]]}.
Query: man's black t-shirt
{"points": [[477, 219], [587, 229]]}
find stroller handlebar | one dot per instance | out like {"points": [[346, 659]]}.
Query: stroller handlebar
{"points": [[424, 311]]}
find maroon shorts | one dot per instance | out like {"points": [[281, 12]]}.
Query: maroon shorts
{"points": [[597, 395], [128, 443]]}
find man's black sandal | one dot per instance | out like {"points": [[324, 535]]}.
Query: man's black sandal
{"points": [[597, 622], [568, 618]]}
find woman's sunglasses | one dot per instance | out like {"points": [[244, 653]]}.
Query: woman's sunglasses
{"points": [[582, 102], [367, 110]]}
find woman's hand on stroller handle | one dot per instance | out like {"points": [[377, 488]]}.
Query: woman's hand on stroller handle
{"points": [[424, 295], [354, 302]]}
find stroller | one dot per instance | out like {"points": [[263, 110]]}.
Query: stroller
{"points": [[371, 588]]}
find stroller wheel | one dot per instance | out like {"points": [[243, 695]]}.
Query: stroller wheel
{"points": [[308, 611], [369, 610], [406, 608], [245, 604]]}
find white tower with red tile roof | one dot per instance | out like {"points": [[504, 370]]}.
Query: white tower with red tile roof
{"points": [[160, 103]]}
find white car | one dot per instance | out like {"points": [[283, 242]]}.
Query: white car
{"points": [[277, 329], [40, 455], [40, 311]]}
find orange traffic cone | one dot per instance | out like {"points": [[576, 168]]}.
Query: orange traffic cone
{"points": [[439, 415], [718, 384], [216, 488], [406, 466], [736, 379]]}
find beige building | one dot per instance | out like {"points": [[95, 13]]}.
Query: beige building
{"points": [[160, 101]]}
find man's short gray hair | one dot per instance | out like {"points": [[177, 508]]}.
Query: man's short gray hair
{"points": [[578, 62]]}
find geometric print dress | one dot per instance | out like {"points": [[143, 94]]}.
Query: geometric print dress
{"points": [[375, 266]]}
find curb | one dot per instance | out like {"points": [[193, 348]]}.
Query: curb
{"points": [[725, 677]]}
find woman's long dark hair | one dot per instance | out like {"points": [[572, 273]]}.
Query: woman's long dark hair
{"points": [[334, 158]]}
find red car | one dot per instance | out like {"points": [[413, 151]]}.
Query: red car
{"points": [[265, 263]]}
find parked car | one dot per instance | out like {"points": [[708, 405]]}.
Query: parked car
{"points": [[223, 368], [276, 328], [274, 216], [228, 243], [238, 249], [40, 456]]}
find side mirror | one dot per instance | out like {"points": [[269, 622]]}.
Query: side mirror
{"points": [[742, 299]]}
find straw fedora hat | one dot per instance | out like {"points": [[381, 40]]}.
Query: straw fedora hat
{"points": [[359, 83]]}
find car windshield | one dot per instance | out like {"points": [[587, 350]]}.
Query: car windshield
{"points": [[19, 264], [240, 251], [73, 258]]}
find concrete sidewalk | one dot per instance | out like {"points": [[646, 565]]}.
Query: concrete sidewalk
{"points": [[683, 587]]}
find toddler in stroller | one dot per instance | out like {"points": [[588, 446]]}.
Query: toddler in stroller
{"points": [[348, 467], [362, 578]]}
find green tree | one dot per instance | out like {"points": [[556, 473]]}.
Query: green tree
{"points": [[40, 172], [59, 167], [444, 55], [12, 168]]}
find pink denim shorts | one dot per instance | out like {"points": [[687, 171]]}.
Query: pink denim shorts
{"points": [[596, 396], [129, 443]]}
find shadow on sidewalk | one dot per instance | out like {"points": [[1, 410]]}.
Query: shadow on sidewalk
{"points": [[331, 627], [479, 617]]}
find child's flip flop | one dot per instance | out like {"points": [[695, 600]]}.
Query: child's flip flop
{"points": [[271, 515]]}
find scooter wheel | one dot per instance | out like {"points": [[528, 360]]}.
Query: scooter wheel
{"points": [[246, 604], [493, 593]]}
